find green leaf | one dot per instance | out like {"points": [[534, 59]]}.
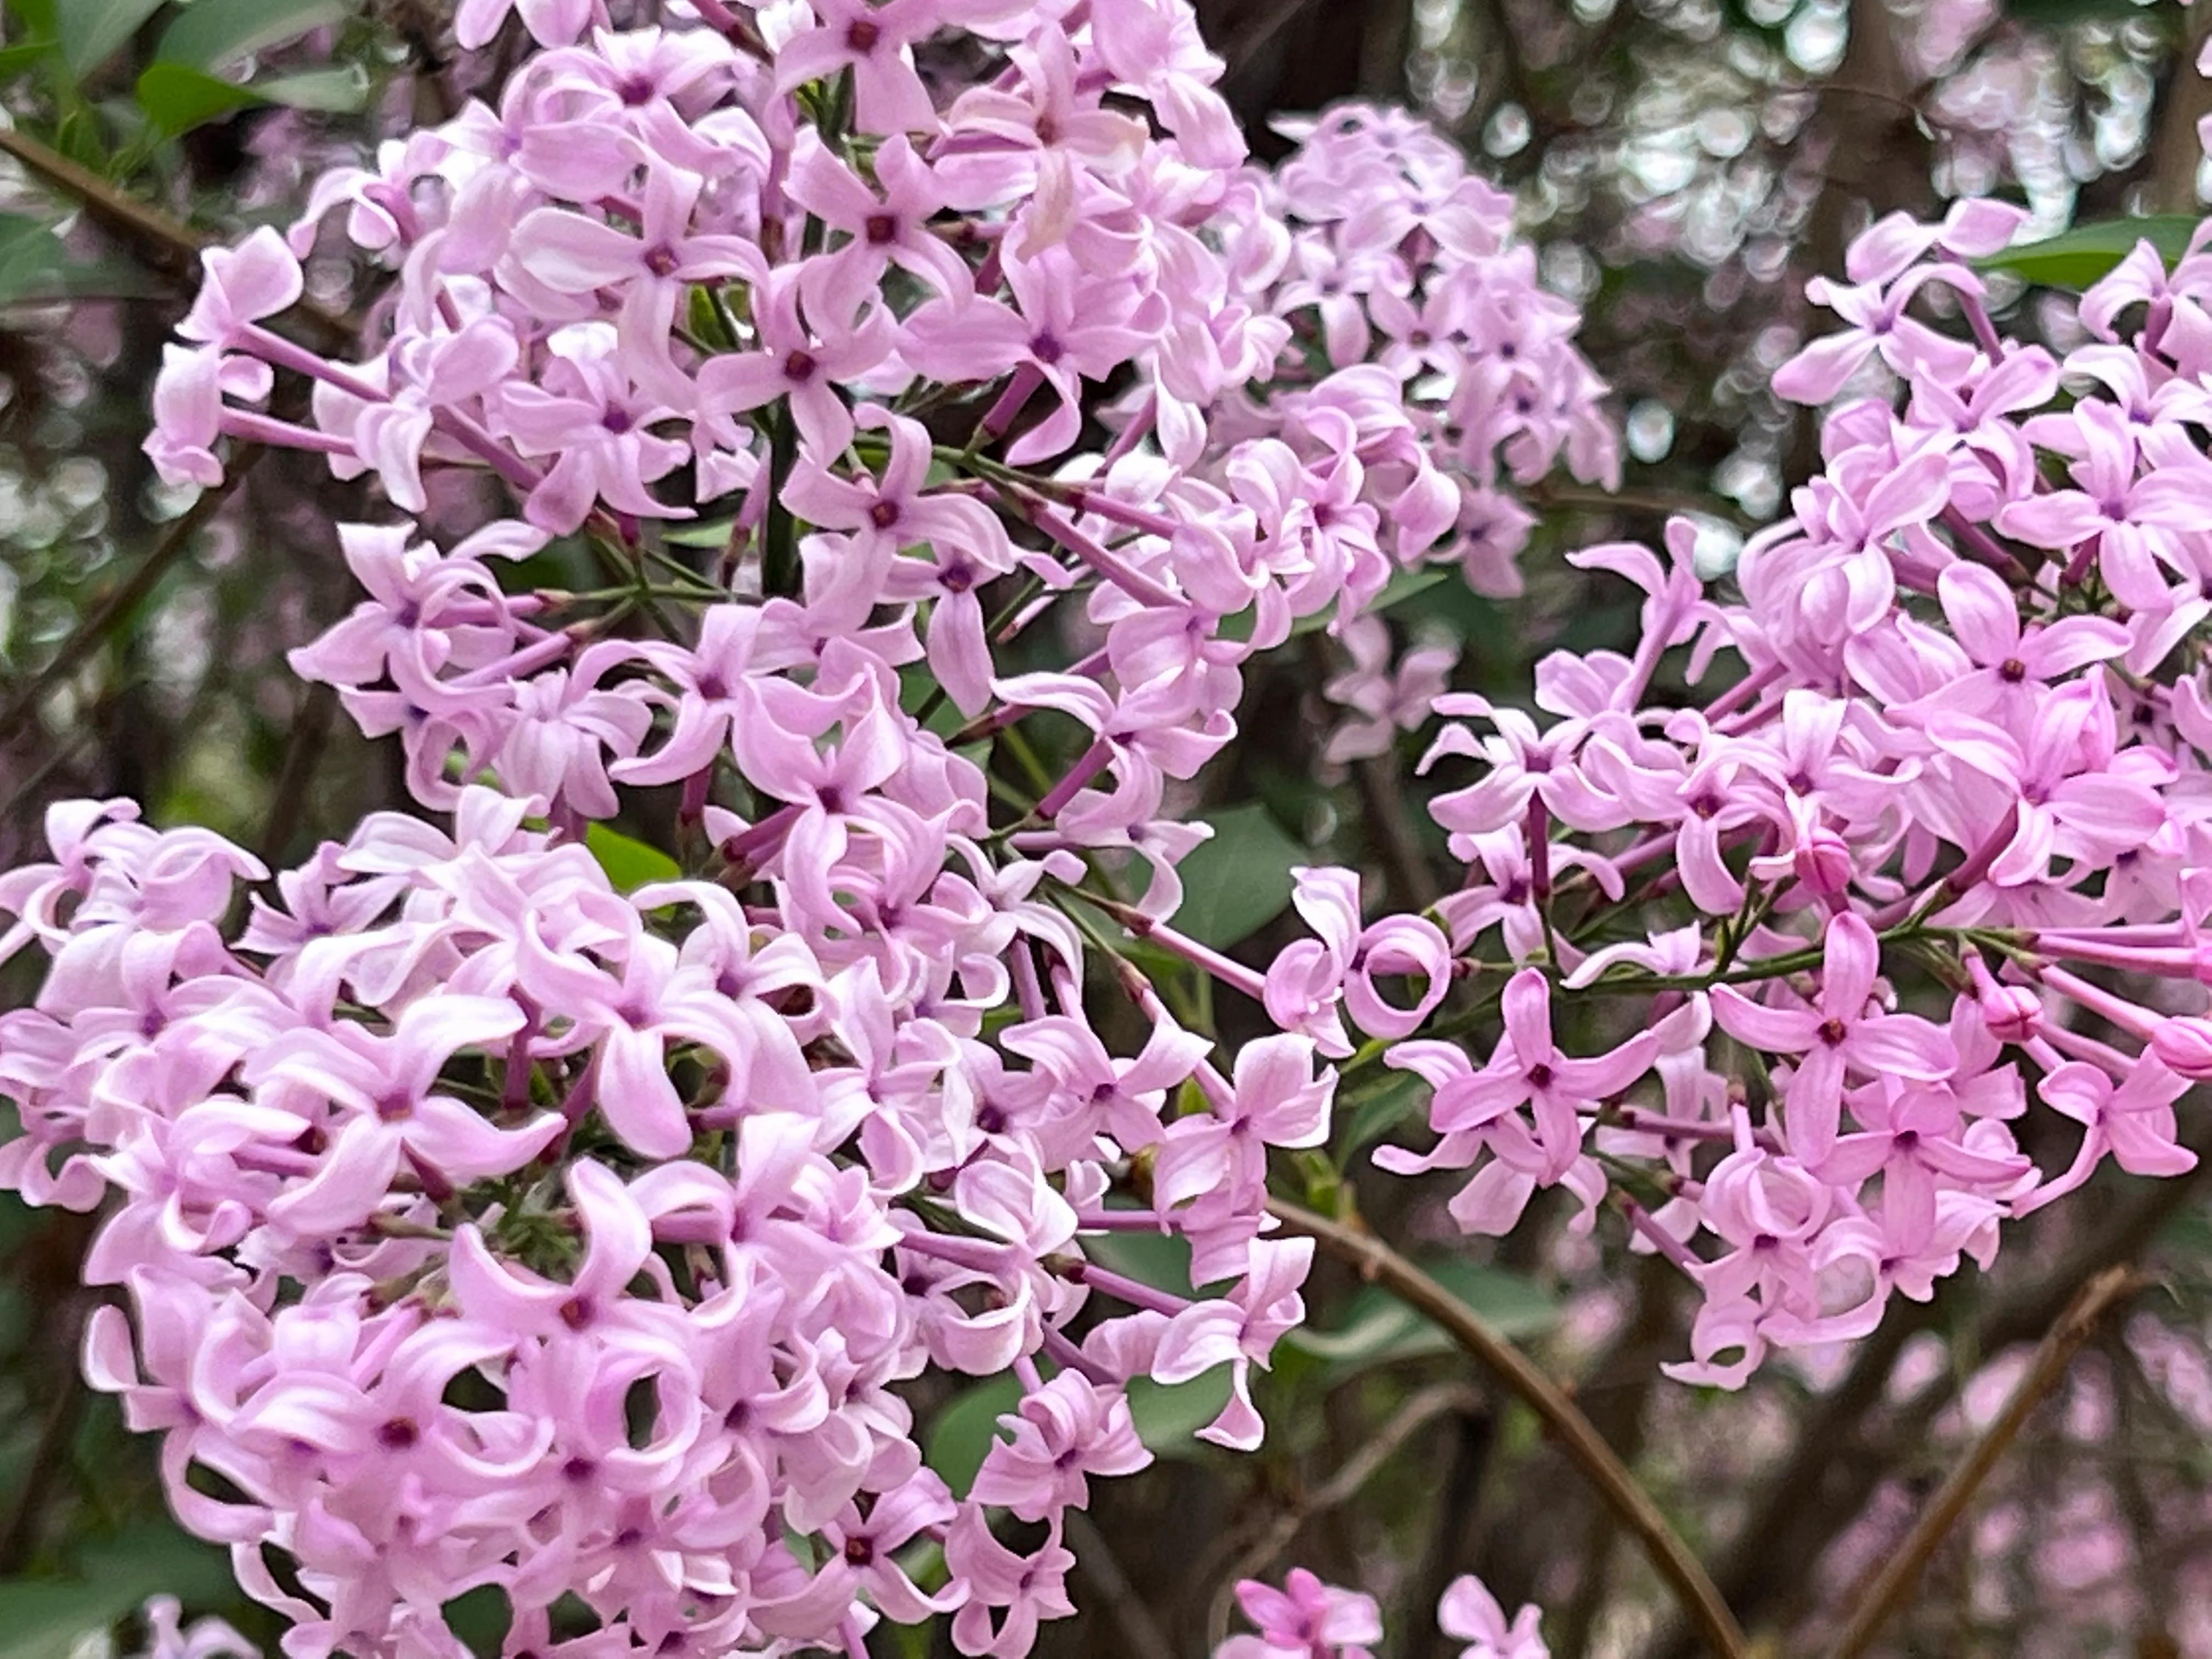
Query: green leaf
{"points": [[1168, 1415], [1159, 1260], [177, 97], [1378, 1328], [1406, 585], [14, 60], [711, 532], [342, 91], [211, 33], [91, 30], [1238, 882], [960, 1435], [2078, 258], [630, 864], [1379, 1111], [40, 1618], [35, 267], [36, 16]]}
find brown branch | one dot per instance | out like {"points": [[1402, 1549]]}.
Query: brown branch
{"points": [[1097, 1561], [1902, 1571], [168, 243], [303, 756], [176, 245], [123, 600], [1379, 1264]]}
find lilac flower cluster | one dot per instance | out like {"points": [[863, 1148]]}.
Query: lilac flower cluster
{"points": [[1970, 740], [484, 1225], [1309, 1620]]}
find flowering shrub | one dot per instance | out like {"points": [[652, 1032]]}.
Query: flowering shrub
{"points": [[1309, 1620], [509, 1206]]}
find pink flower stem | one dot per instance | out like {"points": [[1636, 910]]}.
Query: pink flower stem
{"points": [[749, 847], [1115, 569], [1122, 1288], [1094, 760], [496, 454], [1982, 547], [1025, 981], [1961, 882], [254, 428], [1978, 319], [2169, 962], [1027, 378], [2103, 1055], [1662, 1241], [279, 352], [1120, 512], [982, 1256], [1063, 1353], [1742, 691], [1137, 430], [1234, 975], [1673, 1128], [2135, 1019], [1094, 1221]]}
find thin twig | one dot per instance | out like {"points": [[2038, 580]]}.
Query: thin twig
{"points": [[1141, 1632], [303, 756], [1902, 1571], [1585, 1448], [174, 245], [1340, 1488], [126, 598]]}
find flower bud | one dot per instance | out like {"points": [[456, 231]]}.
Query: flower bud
{"points": [[2185, 1045], [2013, 1012]]}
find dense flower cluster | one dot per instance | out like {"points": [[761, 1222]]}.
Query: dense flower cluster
{"points": [[1309, 1620], [1970, 740], [485, 1223]]}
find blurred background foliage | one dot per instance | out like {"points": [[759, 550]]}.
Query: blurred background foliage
{"points": [[1682, 165]]}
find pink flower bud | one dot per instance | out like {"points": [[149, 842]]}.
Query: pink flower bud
{"points": [[2185, 1045]]}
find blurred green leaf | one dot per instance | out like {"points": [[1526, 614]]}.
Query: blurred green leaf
{"points": [[177, 97], [340, 91], [91, 30], [1160, 1259], [37, 17], [14, 60], [1379, 1329], [711, 532], [1381, 1109], [2078, 258], [960, 1435], [41, 1618], [1238, 882], [1168, 1415], [629, 863], [35, 266], [480, 1618], [1406, 585], [211, 33]]}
